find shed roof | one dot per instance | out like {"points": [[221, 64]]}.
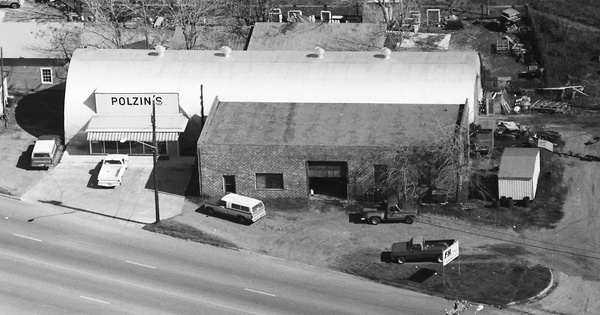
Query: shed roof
{"points": [[30, 39], [306, 36], [518, 163], [317, 124]]}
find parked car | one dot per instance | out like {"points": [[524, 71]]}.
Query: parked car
{"points": [[243, 209], [46, 151], [419, 249], [112, 170], [14, 4]]}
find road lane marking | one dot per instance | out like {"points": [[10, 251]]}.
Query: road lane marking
{"points": [[138, 264], [95, 300], [27, 237], [260, 292]]}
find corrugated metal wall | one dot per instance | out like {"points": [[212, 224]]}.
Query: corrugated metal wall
{"points": [[516, 188]]}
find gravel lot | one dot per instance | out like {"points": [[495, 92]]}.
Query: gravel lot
{"points": [[322, 233]]}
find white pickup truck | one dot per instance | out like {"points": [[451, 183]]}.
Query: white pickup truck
{"points": [[112, 170]]}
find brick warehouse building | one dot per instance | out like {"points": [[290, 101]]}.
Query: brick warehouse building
{"points": [[285, 150]]}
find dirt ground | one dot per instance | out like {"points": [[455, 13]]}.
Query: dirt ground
{"points": [[322, 233]]}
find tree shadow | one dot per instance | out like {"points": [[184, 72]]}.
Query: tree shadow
{"points": [[42, 113]]}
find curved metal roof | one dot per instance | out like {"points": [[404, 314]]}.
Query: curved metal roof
{"points": [[270, 76]]}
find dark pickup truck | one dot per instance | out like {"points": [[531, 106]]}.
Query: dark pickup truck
{"points": [[419, 249], [388, 210]]}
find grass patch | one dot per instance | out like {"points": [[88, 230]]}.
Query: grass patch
{"points": [[544, 212], [184, 231], [480, 280]]}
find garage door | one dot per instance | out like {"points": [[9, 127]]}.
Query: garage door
{"points": [[328, 178]]}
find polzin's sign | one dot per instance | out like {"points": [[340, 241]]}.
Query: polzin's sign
{"points": [[137, 103]]}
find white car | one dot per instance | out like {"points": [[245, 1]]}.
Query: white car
{"points": [[14, 4], [112, 170]]}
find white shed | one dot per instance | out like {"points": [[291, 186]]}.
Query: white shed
{"points": [[519, 173]]}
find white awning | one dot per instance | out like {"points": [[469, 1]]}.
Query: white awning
{"points": [[135, 127], [131, 136]]}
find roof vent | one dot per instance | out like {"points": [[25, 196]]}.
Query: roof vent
{"points": [[226, 51], [320, 51], [386, 52], [160, 50]]}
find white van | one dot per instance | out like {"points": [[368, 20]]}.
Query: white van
{"points": [[243, 209], [46, 152]]}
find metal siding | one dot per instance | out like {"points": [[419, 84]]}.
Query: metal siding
{"points": [[516, 188], [536, 175]]}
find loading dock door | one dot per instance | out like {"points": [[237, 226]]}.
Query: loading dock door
{"points": [[328, 178]]}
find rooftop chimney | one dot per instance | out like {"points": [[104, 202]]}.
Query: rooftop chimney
{"points": [[226, 51], [320, 51], [386, 52], [160, 50]]}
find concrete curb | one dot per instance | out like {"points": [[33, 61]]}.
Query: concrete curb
{"points": [[540, 294], [81, 210], [10, 196]]}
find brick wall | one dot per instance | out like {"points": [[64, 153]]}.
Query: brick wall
{"points": [[245, 161]]}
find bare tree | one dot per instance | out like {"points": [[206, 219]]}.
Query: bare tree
{"points": [[250, 11], [191, 14], [415, 171], [399, 17], [109, 17], [61, 41], [120, 23]]}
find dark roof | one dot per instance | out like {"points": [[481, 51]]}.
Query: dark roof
{"points": [[306, 36], [518, 163], [318, 124]]}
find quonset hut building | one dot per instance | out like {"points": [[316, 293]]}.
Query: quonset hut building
{"points": [[270, 88]]}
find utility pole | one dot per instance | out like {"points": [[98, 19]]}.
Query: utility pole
{"points": [[154, 157]]}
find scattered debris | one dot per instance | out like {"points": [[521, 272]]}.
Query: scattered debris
{"points": [[563, 93], [552, 107]]}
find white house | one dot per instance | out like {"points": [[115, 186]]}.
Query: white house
{"points": [[104, 84], [519, 173]]}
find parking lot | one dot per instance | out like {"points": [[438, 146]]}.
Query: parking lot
{"points": [[72, 184]]}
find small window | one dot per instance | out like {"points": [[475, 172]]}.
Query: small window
{"points": [[222, 204], [46, 75], [244, 208], [269, 181], [236, 206]]}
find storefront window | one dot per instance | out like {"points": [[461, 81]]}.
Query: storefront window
{"points": [[136, 148], [110, 147], [162, 147], [123, 148], [97, 147], [128, 147]]}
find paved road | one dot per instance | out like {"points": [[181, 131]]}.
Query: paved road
{"points": [[56, 261]]}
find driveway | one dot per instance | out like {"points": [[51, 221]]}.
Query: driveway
{"points": [[72, 184]]}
